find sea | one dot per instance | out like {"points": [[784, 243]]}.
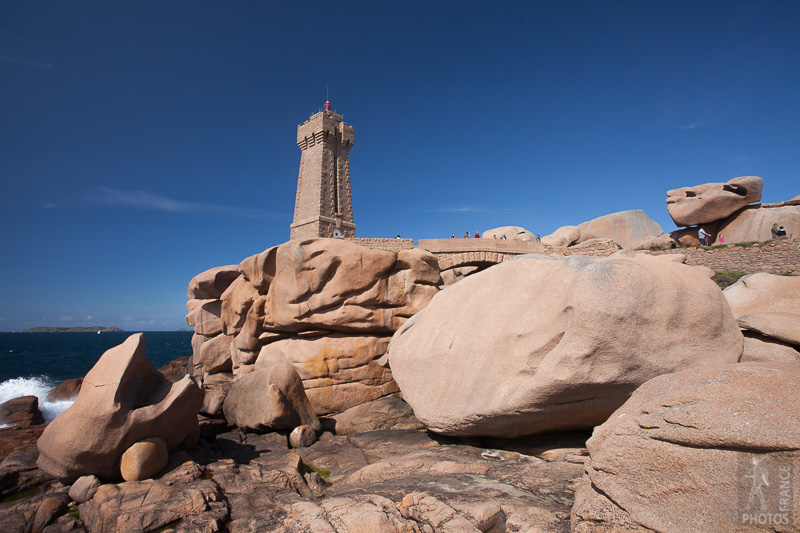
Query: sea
{"points": [[34, 363]]}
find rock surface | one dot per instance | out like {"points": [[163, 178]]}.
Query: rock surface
{"points": [[210, 285], [511, 233], [270, 398], [33, 514], [767, 304], [67, 390], [21, 412], [302, 437], [123, 400], [689, 206], [384, 413], [332, 284], [685, 436], [754, 223], [338, 371], [84, 488], [625, 228], [563, 236], [144, 459], [539, 344]]}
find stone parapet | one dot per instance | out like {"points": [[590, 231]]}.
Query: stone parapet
{"points": [[775, 257], [452, 246], [392, 245]]}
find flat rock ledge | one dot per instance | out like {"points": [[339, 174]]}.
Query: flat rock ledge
{"points": [[378, 481]]}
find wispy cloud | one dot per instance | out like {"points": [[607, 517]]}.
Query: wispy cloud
{"points": [[463, 209], [470, 209], [66, 318], [89, 317], [19, 61], [149, 201], [743, 159], [22, 48]]}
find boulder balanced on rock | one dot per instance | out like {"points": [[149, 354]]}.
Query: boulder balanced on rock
{"points": [[123, 400], [539, 344], [710, 202]]}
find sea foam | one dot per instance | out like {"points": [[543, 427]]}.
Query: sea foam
{"points": [[39, 387]]}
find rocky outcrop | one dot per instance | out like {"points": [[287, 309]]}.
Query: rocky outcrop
{"points": [[754, 223], [689, 206], [325, 306], [183, 501], [384, 413], [625, 227], [511, 233], [123, 400], [767, 308], [539, 344], [563, 236], [270, 399], [700, 450], [338, 371], [21, 412]]}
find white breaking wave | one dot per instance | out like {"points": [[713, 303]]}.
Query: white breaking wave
{"points": [[39, 387]]}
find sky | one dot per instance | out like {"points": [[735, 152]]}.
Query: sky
{"points": [[144, 142]]}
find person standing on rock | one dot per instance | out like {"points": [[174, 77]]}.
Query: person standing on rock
{"points": [[721, 239], [774, 231], [466, 235], [781, 232], [703, 236], [453, 236], [477, 235]]}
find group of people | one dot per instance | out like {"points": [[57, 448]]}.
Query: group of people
{"points": [[778, 232], [478, 236]]}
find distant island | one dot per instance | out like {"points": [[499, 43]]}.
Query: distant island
{"points": [[48, 329]]}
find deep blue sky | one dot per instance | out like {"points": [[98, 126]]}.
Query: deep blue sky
{"points": [[144, 142]]}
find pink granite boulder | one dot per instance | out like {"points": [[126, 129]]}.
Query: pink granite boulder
{"points": [[123, 400], [625, 228], [270, 399], [338, 371], [706, 449], [689, 206], [539, 344]]}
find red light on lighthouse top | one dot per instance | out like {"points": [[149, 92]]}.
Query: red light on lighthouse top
{"points": [[327, 107]]}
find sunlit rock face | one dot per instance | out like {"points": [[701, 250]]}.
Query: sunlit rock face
{"points": [[712, 201], [123, 400], [539, 344], [325, 306]]}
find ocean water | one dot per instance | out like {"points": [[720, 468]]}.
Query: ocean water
{"points": [[33, 363]]}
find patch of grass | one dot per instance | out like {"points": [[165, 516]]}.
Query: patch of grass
{"points": [[726, 279], [322, 473], [74, 511], [745, 244]]}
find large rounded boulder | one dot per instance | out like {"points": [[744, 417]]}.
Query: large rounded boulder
{"points": [[626, 227], [538, 343], [705, 449]]}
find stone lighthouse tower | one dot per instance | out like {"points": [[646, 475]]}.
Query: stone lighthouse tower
{"points": [[323, 207]]}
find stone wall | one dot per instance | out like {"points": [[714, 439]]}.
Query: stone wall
{"points": [[392, 245], [776, 257]]}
